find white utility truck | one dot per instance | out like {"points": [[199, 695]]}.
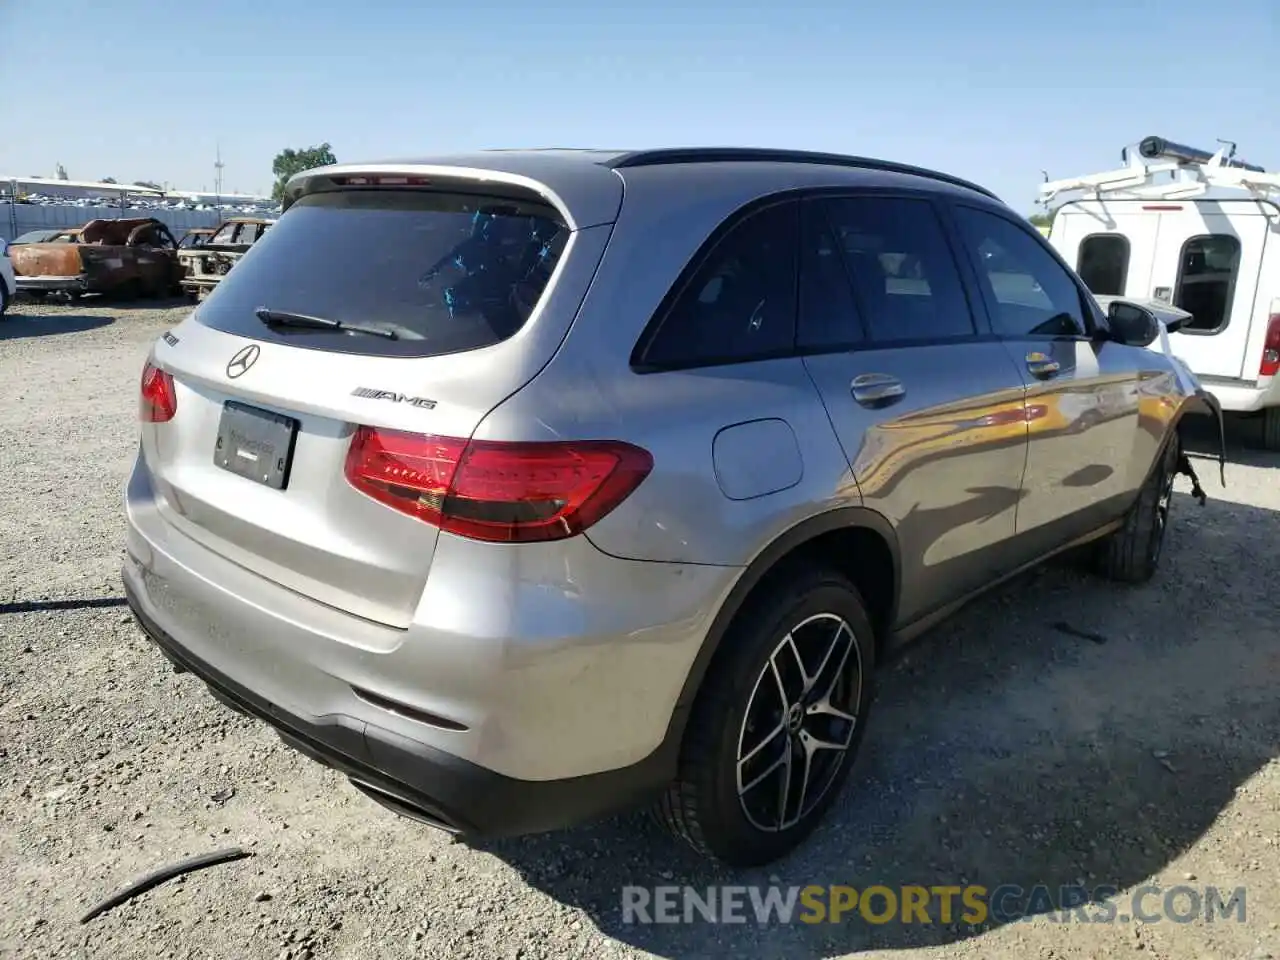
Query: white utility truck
{"points": [[1196, 229]]}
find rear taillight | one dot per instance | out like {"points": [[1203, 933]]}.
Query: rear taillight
{"points": [[1270, 364], [500, 492], [159, 399]]}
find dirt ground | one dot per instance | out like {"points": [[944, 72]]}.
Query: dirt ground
{"points": [[1062, 730]]}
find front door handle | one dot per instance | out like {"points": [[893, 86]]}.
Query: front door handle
{"points": [[1042, 366], [877, 389]]}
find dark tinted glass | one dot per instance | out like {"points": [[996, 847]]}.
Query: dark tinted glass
{"points": [[740, 303], [1031, 293], [828, 317], [1207, 280], [1104, 263], [903, 270], [445, 272]]}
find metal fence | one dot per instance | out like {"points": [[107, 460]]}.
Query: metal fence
{"points": [[18, 218]]}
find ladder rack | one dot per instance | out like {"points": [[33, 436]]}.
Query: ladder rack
{"points": [[1158, 170]]}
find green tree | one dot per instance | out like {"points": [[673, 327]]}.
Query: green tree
{"points": [[149, 184], [107, 180], [1042, 219], [290, 161]]}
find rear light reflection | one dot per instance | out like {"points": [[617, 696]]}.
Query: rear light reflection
{"points": [[159, 398], [496, 491]]}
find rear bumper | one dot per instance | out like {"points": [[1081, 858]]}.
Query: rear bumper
{"points": [[76, 284], [414, 779], [1243, 396], [524, 696]]}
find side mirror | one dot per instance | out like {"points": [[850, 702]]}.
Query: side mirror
{"points": [[1131, 324]]}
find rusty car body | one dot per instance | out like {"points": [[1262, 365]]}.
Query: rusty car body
{"points": [[205, 264], [129, 257]]}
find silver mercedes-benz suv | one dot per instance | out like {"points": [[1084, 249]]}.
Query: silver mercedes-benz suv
{"points": [[525, 486]]}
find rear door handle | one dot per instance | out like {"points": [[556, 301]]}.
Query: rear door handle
{"points": [[1042, 366], [877, 389]]}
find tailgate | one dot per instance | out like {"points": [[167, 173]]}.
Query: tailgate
{"points": [[252, 463], [299, 522]]}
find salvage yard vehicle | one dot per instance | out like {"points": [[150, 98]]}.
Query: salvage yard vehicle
{"points": [[127, 258], [195, 237], [204, 266], [1199, 230], [37, 236], [526, 486]]}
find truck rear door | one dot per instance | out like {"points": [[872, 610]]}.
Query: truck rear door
{"points": [[1208, 261], [1112, 246]]}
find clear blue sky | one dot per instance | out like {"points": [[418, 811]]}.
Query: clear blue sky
{"points": [[994, 90]]}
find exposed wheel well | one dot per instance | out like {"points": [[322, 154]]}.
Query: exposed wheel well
{"points": [[860, 554]]}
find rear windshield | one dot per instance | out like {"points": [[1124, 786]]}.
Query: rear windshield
{"points": [[444, 272]]}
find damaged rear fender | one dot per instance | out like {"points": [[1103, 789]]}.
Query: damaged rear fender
{"points": [[1203, 403]]}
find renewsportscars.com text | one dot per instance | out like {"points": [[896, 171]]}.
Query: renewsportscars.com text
{"points": [[969, 904]]}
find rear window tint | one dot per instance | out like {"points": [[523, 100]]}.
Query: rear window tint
{"points": [[1207, 281], [445, 272], [1103, 263]]}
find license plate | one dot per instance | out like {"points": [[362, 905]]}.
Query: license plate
{"points": [[255, 444]]}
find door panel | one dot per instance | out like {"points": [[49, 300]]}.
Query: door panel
{"points": [[1085, 449], [931, 419], [942, 460], [1082, 397], [1209, 263]]}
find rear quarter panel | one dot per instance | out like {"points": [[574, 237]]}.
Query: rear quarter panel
{"points": [[681, 512]]}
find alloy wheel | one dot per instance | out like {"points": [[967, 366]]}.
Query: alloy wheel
{"points": [[799, 722]]}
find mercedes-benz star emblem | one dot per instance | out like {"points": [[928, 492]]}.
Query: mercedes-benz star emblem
{"points": [[243, 360]]}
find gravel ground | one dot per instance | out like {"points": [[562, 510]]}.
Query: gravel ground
{"points": [[1005, 749]]}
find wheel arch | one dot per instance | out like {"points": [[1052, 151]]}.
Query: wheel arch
{"points": [[855, 540]]}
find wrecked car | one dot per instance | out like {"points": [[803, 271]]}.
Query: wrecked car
{"points": [[195, 237], [204, 264], [127, 258]]}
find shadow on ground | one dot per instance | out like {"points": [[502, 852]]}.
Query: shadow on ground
{"points": [[1006, 749], [19, 326]]}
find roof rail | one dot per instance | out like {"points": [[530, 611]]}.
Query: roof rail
{"points": [[650, 158], [1159, 169]]}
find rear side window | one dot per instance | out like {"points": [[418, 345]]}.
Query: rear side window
{"points": [[1103, 263], [444, 272], [1031, 293], [904, 274], [1207, 281], [740, 302], [828, 317]]}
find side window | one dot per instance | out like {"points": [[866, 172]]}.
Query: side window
{"points": [[828, 318], [903, 271], [1207, 281], [1031, 294], [740, 303], [1103, 263]]}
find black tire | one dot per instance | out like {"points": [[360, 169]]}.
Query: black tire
{"points": [[1132, 553], [4, 300], [703, 806], [1271, 428]]}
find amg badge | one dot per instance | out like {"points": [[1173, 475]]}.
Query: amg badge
{"points": [[371, 394]]}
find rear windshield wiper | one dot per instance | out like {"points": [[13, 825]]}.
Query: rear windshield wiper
{"points": [[283, 318]]}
